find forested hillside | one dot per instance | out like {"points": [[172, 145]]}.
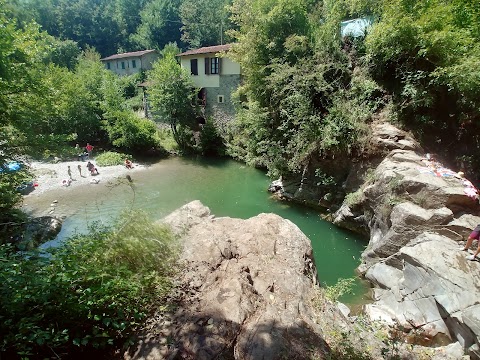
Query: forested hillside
{"points": [[112, 26]]}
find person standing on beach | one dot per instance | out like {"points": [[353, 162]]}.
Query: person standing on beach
{"points": [[80, 170], [89, 149], [69, 172]]}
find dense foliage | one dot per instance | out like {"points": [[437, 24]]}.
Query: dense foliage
{"points": [[91, 293], [302, 95], [308, 93], [112, 26], [427, 54], [171, 95], [110, 158]]}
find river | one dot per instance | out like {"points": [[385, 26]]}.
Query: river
{"points": [[228, 188]]}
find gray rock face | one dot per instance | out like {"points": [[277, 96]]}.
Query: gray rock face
{"points": [[429, 285], [249, 283], [419, 215], [39, 230], [390, 137]]}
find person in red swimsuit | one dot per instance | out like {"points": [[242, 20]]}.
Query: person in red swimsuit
{"points": [[474, 235], [89, 149]]}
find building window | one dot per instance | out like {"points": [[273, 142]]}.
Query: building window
{"points": [[214, 65], [134, 64], [220, 99], [108, 66], [194, 66], [123, 64]]}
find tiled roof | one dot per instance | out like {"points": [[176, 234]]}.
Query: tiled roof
{"points": [[129, 54], [206, 50]]}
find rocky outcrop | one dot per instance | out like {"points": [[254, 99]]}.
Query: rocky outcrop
{"points": [[250, 282], [323, 183], [37, 231], [418, 214], [247, 291]]}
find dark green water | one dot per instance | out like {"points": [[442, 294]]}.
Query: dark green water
{"points": [[231, 189]]}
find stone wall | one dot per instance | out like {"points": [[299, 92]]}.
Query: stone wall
{"points": [[222, 111]]}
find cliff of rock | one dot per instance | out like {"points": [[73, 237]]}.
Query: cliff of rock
{"points": [[418, 215]]}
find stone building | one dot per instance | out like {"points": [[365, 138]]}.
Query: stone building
{"points": [[217, 76], [131, 62]]}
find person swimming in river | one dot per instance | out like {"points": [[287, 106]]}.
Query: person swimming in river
{"points": [[93, 170]]}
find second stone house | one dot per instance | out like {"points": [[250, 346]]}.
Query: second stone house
{"points": [[216, 75], [131, 62]]}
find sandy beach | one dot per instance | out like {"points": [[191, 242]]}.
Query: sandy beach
{"points": [[50, 197]]}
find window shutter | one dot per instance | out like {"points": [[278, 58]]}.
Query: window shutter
{"points": [[219, 65], [207, 66]]}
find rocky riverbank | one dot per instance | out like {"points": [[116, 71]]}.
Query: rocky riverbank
{"points": [[417, 214]]}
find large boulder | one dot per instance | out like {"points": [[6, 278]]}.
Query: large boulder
{"points": [[37, 231], [249, 284]]}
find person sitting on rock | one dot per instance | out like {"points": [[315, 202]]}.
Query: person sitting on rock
{"points": [[474, 235]]}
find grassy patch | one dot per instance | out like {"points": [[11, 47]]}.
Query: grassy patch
{"points": [[91, 293]]}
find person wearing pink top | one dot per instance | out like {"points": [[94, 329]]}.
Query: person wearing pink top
{"points": [[474, 235]]}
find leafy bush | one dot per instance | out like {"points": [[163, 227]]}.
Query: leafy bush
{"points": [[342, 287], [111, 158], [210, 142], [166, 139], [126, 130], [91, 293]]}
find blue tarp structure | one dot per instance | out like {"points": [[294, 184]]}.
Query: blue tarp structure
{"points": [[12, 166], [355, 27]]}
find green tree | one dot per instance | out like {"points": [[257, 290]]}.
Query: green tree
{"points": [[299, 91], [205, 22], [171, 93], [26, 100], [210, 141], [427, 54], [160, 24]]}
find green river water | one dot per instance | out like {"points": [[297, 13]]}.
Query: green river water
{"points": [[231, 189]]}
